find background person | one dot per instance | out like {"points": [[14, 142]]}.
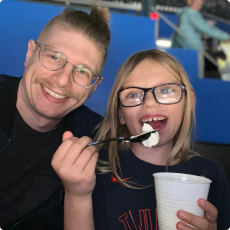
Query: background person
{"points": [[150, 87], [62, 70], [192, 24]]}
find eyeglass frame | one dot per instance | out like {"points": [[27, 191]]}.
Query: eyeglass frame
{"points": [[152, 90], [99, 77]]}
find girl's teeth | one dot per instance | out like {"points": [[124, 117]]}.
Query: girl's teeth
{"points": [[51, 93], [153, 119]]}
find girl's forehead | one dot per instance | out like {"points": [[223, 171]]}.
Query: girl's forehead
{"points": [[151, 72]]}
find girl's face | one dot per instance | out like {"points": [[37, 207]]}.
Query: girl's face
{"points": [[165, 118]]}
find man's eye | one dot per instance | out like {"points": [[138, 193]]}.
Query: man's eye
{"points": [[56, 57], [81, 71]]}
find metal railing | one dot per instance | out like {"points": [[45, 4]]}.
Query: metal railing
{"points": [[175, 28], [136, 6]]}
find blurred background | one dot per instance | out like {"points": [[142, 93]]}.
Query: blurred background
{"points": [[139, 25]]}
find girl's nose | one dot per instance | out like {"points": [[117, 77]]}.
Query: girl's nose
{"points": [[150, 100], [64, 76]]}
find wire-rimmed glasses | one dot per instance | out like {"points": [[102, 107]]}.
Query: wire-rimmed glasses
{"points": [[53, 59], [166, 94]]}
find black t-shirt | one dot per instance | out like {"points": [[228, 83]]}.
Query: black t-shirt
{"points": [[117, 207], [26, 175], [32, 194]]}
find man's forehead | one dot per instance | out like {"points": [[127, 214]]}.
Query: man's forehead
{"points": [[70, 42]]}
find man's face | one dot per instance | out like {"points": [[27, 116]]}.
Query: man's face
{"points": [[53, 94]]}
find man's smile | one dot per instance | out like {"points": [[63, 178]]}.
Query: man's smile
{"points": [[51, 93]]}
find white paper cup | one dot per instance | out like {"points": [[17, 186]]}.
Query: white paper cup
{"points": [[177, 191]]}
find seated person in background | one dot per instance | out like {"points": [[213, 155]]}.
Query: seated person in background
{"points": [[62, 70], [193, 25], [151, 87]]}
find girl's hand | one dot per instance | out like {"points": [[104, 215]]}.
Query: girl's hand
{"points": [[75, 165], [209, 222]]}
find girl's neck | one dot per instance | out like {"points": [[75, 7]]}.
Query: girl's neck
{"points": [[155, 155]]}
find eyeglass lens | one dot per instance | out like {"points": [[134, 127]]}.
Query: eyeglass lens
{"points": [[53, 59], [164, 94]]}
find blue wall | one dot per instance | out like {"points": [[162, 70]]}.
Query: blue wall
{"points": [[21, 21]]}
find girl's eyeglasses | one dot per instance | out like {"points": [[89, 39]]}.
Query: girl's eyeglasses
{"points": [[166, 94]]}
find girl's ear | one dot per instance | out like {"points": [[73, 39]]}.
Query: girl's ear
{"points": [[121, 116], [30, 51]]}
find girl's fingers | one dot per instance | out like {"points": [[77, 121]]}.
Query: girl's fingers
{"points": [[90, 167], [211, 212], [85, 157], [67, 135], [62, 150], [77, 149], [196, 221], [182, 226], [68, 152]]}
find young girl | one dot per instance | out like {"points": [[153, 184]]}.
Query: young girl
{"points": [[151, 87]]}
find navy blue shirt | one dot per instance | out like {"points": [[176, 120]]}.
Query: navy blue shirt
{"points": [[117, 207]]}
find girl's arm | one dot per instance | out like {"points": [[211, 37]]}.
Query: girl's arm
{"points": [[75, 165], [78, 213]]}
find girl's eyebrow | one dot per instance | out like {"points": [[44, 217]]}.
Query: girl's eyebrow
{"points": [[161, 83]]}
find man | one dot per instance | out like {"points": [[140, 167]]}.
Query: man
{"points": [[62, 70], [193, 25]]}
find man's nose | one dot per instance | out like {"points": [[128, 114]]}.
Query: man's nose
{"points": [[64, 76], [150, 100]]}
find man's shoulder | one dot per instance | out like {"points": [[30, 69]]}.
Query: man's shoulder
{"points": [[85, 121], [87, 113], [6, 78]]}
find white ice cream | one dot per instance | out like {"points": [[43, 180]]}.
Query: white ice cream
{"points": [[153, 139]]}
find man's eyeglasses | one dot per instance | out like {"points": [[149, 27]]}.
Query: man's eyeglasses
{"points": [[53, 59], [166, 94]]}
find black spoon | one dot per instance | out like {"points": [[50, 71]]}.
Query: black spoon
{"points": [[139, 138]]}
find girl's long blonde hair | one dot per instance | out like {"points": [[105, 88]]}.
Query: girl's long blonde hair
{"points": [[111, 127]]}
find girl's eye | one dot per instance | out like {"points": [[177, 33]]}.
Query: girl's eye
{"points": [[166, 90], [133, 95]]}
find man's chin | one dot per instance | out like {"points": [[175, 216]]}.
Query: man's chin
{"points": [[51, 116]]}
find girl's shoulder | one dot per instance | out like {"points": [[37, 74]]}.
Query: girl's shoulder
{"points": [[201, 166]]}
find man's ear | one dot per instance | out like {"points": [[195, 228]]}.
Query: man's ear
{"points": [[96, 84], [30, 51]]}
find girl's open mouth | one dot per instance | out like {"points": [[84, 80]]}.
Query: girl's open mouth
{"points": [[156, 123]]}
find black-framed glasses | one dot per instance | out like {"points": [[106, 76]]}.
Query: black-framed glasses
{"points": [[166, 94], [53, 59]]}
